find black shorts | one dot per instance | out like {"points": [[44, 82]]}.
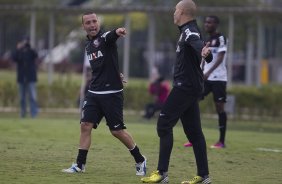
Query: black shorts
{"points": [[97, 106], [218, 89]]}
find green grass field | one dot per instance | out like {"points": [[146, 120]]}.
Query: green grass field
{"points": [[35, 150]]}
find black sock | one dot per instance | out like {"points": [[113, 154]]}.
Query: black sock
{"points": [[137, 155], [222, 119], [81, 158]]}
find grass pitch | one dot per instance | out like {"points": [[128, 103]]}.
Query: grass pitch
{"points": [[34, 151]]}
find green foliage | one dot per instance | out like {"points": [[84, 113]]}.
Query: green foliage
{"points": [[264, 101], [63, 92], [15, 2], [136, 95], [59, 94], [8, 93], [221, 3], [112, 21], [138, 21], [251, 101], [207, 104]]}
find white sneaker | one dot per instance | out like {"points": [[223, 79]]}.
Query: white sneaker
{"points": [[141, 168], [74, 169]]}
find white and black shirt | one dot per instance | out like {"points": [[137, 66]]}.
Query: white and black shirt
{"points": [[217, 45]]}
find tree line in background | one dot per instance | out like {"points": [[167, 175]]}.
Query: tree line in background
{"points": [[250, 102], [15, 25], [144, 2]]}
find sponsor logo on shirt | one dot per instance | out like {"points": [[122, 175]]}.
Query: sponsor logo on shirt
{"points": [[96, 43], [94, 55]]}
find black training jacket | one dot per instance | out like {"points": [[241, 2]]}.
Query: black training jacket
{"points": [[187, 72], [103, 57], [26, 64]]}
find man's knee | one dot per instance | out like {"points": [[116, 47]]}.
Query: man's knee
{"points": [[117, 133], [163, 127], [163, 132], [86, 126]]}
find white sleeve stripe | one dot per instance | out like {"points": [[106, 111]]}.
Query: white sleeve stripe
{"points": [[105, 34], [221, 41], [222, 49], [189, 33]]}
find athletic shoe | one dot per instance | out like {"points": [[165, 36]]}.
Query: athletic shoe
{"points": [[198, 179], [74, 169], [218, 145], [188, 144], [156, 177], [141, 168]]}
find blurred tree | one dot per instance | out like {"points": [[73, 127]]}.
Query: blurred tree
{"points": [[75, 2], [13, 25], [15, 1], [139, 21]]}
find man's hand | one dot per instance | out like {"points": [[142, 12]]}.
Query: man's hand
{"points": [[121, 31], [122, 78], [206, 50]]}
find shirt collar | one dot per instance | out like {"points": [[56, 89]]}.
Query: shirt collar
{"points": [[185, 25], [93, 38]]}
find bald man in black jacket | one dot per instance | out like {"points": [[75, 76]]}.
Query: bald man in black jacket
{"points": [[182, 102]]}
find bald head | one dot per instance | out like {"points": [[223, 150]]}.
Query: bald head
{"points": [[184, 11], [188, 7]]}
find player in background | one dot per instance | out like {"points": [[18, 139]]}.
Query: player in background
{"points": [[183, 100], [215, 74]]}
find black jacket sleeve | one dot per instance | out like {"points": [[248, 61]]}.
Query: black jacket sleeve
{"points": [[110, 36], [15, 56], [198, 45]]}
